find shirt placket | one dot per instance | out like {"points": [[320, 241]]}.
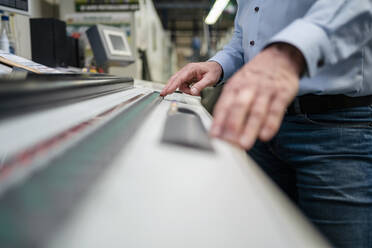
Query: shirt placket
{"points": [[252, 40]]}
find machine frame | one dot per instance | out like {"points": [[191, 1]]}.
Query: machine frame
{"points": [[18, 11]]}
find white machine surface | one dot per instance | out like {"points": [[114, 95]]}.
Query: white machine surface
{"points": [[155, 194]]}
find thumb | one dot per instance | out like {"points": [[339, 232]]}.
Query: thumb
{"points": [[199, 86]]}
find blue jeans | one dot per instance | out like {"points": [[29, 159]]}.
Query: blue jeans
{"points": [[323, 162]]}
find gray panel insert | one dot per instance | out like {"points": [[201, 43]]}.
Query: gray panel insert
{"points": [[185, 128]]}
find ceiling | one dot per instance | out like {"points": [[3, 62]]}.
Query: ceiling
{"points": [[185, 19]]}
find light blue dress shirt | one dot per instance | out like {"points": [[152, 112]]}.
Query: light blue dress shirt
{"points": [[335, 37]]}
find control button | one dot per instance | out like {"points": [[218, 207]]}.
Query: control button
{"points": [[252, 43], [257, 9]]}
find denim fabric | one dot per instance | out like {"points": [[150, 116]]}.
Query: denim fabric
{"points": [[324, 163]]}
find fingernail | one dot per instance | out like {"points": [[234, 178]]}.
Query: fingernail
{"points": [[244, 141], [194, 90], [265, 134]]}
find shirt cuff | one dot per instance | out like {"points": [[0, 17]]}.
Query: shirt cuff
{"points": [[228, 67], [311, 40]]}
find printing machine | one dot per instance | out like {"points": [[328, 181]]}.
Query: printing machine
{"points": [[102, 161]]}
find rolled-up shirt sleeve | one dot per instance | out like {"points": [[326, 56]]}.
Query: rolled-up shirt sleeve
{"points": [[231, 58], [330, 32]]}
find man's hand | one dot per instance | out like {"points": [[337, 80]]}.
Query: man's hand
{"points": [[254, 100], [194, 77]]}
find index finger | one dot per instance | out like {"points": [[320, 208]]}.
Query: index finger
{"points": [[185, 77], [164, 91]]}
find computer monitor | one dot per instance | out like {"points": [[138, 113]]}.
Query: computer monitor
{"points": [[16, 6], [110, 45]]}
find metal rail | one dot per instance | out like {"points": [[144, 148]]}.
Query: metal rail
{"points": [[32, 211]]}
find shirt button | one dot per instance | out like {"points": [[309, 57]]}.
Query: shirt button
{"points": [[257, 9], [252, 42]]}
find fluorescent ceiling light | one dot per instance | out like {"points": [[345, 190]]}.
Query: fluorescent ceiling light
{"points": [[216, 11]]}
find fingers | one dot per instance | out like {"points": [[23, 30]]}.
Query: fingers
{"points": [[170, 81], [202, 74], [196, 88], [237, 114], [175, 82], [241, 117], [199, 86], [186, 75], [183, 81], [249, 111], [274, 118], [254, 121], [221, 111], [185, 88]]}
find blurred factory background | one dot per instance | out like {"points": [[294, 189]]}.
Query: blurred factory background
{"points": [[170, 31]]}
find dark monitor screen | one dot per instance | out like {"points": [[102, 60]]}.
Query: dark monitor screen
{"points": [[18, 6], [110, 45], [117, 42]]}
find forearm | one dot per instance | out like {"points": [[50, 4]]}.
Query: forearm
{"points": [[330, 32]]}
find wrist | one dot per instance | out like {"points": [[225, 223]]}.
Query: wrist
{"points": [[292, 56], [217, 69]]}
